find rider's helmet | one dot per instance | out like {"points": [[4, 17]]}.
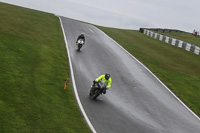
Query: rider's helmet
{"points": [[107, 76], [82, 33]]}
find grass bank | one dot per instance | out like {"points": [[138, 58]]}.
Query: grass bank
{"points": [[177, 68], [33, 69]]}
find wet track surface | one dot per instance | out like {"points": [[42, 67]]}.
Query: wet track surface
{"points": [[137, 102]]}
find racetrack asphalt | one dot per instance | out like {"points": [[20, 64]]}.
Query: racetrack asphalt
{"points": [[137, 102]]}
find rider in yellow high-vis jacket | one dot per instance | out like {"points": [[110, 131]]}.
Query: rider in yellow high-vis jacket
{"points": [[106, 79]]}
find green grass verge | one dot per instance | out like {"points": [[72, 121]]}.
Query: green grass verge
{"points": [[186, 37], [177, 68], [33, 70]]}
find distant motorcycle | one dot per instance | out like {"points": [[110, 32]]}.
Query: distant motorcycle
{"points": [[80, 44], [97, 89]]}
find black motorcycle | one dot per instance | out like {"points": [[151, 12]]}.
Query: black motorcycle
{"points": [[97, 89], [80, 44]]}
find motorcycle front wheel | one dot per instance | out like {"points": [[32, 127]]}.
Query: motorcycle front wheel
{"points": [[96, 94], [79, 47], [91, 92]]}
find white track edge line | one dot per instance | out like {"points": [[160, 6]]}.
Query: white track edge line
{"points": [[154, 77], [74, 85]]}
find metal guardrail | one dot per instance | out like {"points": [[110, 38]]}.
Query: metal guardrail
{"points": [[163, 30], [176, 42]]}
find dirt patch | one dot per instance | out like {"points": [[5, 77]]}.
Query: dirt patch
{"points": [[184, 37]]}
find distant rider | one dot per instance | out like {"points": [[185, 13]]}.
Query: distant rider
{"points": [[81, 37], [106, 79]]}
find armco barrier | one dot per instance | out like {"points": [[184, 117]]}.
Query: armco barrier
{"points": [[181, 44], [162, 30]]}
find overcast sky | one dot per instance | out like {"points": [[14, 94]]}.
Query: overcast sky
{"points": [[126, 14]]}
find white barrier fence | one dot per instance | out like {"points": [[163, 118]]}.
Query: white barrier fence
{"points": [[181, 44]]}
